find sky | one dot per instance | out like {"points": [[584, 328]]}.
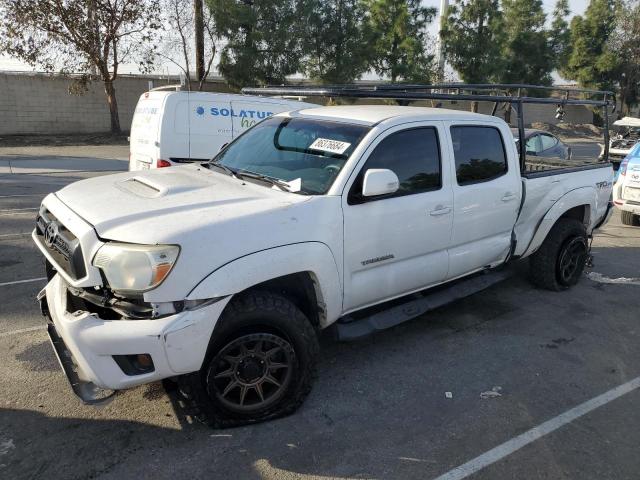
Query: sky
{"points": [[11, 64]]}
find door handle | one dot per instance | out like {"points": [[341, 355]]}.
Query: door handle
{"points": [[440, 210], [508, 197]]}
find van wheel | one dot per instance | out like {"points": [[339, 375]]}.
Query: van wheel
{"points": [[628, 218], [560, 260], [260, 366]]}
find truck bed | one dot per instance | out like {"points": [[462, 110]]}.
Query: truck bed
{"points": [[542, 189], [541, 164]]}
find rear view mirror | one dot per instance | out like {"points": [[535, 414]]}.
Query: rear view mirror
{"points": [[379, 181]]}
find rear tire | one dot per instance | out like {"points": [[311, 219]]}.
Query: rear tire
{"points": [[560, 260], [260, 366], [628, 218]]}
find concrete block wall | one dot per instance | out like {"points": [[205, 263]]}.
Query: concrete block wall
{"points": [[33, 103]]}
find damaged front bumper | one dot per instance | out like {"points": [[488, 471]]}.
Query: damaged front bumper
{"points": [[91, 349]]}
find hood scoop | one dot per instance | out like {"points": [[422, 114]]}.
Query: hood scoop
{"points": [[139, 187], [154, 186]]}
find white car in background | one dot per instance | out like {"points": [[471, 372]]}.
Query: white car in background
{"points": [[626, 191], [627, 134], [175, 127]]}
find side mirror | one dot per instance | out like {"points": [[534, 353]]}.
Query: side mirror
{"points": [[379, 181]]}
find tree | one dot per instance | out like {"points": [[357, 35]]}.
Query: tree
{"points": [[624, 43], [560, 34], [591, 62], [263, 39], [334, 44], [198, 26], [472, 39], [398, 38], [180, 43], [527, 55], [80, 36]]}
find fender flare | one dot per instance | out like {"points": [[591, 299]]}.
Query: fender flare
{"points": [[258, 267], [574, 198]]}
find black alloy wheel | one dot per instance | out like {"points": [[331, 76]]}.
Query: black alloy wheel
{"points": [[252, 372], [571, 260]]}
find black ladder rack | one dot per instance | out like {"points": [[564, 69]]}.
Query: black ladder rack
{"points": [[496, 93]]}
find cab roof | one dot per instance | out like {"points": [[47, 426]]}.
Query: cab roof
{"points": [[374, 114]]}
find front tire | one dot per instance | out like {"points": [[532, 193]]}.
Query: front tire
{"points": [[628, 218], [560, 260], [260, 366]]}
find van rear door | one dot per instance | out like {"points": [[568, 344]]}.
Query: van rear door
{"points": [[145, 129], [209, 126]]}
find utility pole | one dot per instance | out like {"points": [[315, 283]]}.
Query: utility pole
{"points": [[93, 21], [444, 6], [199, 36]]}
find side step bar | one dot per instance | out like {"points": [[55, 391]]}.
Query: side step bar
{"points": [[349, 328]]}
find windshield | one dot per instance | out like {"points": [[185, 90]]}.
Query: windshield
{"points": [[307, 154], [626, 130]]}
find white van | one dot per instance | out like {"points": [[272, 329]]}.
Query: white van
{"points": [[173, 127]]}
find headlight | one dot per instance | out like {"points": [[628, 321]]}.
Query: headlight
{"points": [[130, 267]]}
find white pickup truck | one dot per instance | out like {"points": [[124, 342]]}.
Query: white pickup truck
{"points": [[220, 274]]}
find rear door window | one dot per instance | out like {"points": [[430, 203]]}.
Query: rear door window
{"points": [[548, 141], [479, 153]]}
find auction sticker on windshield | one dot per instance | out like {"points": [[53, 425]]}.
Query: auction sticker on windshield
{"points": [[331, 146]]}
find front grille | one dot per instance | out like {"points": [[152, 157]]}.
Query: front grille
{"points": [[61, 244]]}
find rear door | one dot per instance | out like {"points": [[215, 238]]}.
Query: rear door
{"points": [[145, 130], [395, 244], [209, 125], [551, 147], [486, 197]]}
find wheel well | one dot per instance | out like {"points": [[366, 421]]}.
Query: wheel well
{"points": [[300, 288], [580, 213]]}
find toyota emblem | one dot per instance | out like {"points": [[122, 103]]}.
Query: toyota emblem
{"points": [[50, 234]]}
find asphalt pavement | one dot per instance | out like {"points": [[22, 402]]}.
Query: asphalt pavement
{"points": [[548, 378]]}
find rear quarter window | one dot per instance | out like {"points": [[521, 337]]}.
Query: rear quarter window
{"points": [[479, 153]]}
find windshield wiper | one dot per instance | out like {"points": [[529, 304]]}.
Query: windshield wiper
{"points": [[281, 184], [222, 167]]}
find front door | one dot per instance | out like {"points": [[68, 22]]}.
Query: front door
{"points": [[395, 244]]}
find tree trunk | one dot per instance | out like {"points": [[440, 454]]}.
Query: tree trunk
{"points": [[199, 36], [507, 113], [110, 91]]}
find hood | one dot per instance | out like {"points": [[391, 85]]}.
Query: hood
{"points": [[162, 205], [627, 122]]}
